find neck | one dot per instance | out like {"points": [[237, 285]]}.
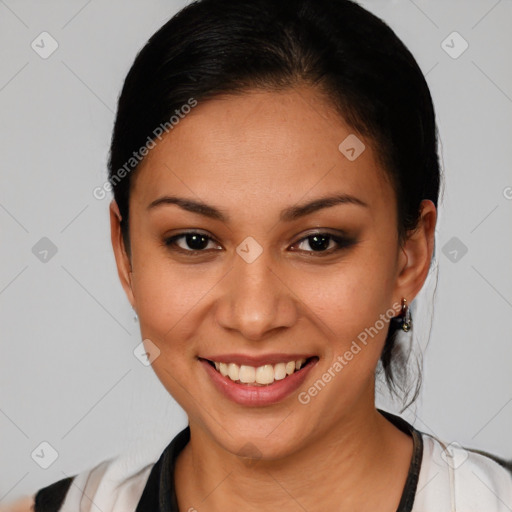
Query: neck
{"points": [[361, 463]]}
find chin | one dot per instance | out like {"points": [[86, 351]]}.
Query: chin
{"points": [[271, 438]]}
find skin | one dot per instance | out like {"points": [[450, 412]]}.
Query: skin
{"points": [[25, 504], [251, 156]]}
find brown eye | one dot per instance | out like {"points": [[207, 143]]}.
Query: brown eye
{"points": [[326, 243], [190, 241]]}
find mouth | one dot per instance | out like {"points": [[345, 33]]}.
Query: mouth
{"points": [[262, 375]]}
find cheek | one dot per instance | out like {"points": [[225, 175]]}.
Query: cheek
{"points": [[168, 302], [354, 304], [351, 295], [165, 290]]}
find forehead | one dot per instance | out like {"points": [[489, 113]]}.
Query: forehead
{"points": [[276, 147]]}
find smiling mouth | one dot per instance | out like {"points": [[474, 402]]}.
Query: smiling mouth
{"points": [[264, 375]]}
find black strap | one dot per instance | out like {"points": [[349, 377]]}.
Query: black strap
{"points": [[51, 498], [159, 494], [411, 484]]}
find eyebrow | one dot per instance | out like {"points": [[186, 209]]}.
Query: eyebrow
{"points": [[287, 215]]}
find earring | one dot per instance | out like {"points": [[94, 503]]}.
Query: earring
{"points": [[405, 316], [135, 316]]}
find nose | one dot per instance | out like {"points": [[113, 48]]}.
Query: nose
{"points": [[256, 299]]}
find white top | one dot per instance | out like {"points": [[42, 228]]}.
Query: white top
{"points": [[465, 482]]}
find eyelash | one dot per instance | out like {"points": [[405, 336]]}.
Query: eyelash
{"points": [[343, 243]]}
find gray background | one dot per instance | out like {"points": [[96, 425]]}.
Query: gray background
{"points": [[68, 375]]}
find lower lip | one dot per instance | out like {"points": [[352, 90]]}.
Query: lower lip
{"points": [[257, 396]]}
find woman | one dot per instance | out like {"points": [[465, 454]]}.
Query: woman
{"points": [[275, 175]]}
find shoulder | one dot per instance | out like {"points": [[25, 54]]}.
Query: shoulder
{"points": [[115, 484], [464, 478], [25, 504]]}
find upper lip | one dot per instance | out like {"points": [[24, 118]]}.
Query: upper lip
{"points": [[247, 360]]}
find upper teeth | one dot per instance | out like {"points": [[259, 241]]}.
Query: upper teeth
{"points": [[265, 374]]}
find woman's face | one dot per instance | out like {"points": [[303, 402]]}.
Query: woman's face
{"points": [[255, 286]]}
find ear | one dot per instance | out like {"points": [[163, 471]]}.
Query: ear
{"points": [[123, 263], [416, 253]]}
